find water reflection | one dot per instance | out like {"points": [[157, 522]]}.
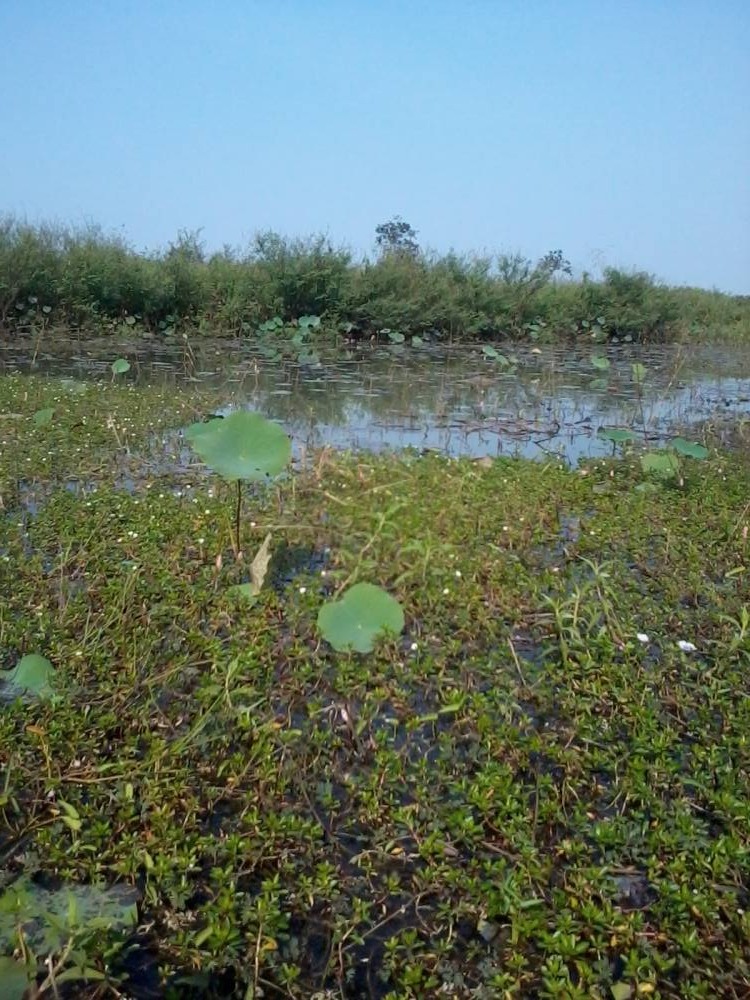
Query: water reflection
{"points": [[453, 401]]}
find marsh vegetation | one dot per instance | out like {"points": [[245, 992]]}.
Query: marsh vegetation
{"points": [[53, 278]]}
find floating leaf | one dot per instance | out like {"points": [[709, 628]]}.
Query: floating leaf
{"points": [[489, 351], [598, 383], [416, 341], [661, 463], [395, 337], [120, 366], [310, 322], [639, 373], [243, 445], [600, 362], [14, 978], [32, 674], [689, 448], [359, 617], [616, 434], [42, 417]]}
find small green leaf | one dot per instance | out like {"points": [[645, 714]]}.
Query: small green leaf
{"points": [[42, 417], [621, 991], [689, 448], [489, 351], [616, 434], [120, 366], [247, 592], [416, 341], [598, 383], [359, 617], [600, 362], [309, 322], [660, 463], [395, 337], [639, 373], [32, 674]]}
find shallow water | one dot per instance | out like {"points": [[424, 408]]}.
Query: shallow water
{"points": [[551, 401]]}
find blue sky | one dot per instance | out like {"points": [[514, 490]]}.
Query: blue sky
{"points": [[617, 131]]}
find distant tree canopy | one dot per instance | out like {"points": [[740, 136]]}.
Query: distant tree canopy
{"points": [[397, 237]]}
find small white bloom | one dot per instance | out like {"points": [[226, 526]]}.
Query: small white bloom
{"points": [[414, 647], [201, 541], [642, 637], [446, 590], [686, 647], [458, 573], [303, 590]]}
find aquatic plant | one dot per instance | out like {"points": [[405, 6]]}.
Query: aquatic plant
{"points": [[243, 447], [359, 617], [33, 676], [120, 366], [667, 463]]}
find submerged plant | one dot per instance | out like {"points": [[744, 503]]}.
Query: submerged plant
{"points": [[241, 447]]}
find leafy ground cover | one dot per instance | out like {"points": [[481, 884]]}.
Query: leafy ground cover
{"points": [[539, 788]]}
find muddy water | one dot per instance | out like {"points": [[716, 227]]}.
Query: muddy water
{"points": [[546, 402]]}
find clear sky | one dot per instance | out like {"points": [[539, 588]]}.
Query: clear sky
{"points": [[617, 131]]}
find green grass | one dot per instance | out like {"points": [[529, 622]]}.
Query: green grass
{"points": [[515, 798], [92, 283]]}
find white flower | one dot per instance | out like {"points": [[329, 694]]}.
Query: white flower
{"points": [[686, 647], [201, 541], [303, 590], [642, 637], [414, 647], [446, 590], [458, 573]]}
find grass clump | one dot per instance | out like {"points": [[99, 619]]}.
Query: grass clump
{"points": [[534, 790]]}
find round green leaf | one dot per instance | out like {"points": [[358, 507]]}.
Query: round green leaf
{"points": [[359, 617], [690, 448], [600, 362], [120, 366], [32, 674], [489, 351], [243, 445]]}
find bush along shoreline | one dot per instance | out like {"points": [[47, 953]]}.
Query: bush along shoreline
{"points": [[91, 283]]}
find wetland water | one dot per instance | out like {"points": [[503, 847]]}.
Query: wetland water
{"points": [[549, 401]]}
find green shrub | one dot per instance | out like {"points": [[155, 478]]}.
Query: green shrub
{"points": [[90, 278]]}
